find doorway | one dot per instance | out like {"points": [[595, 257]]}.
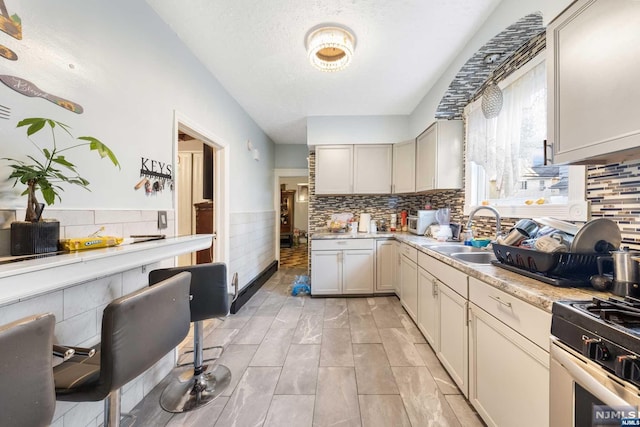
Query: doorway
{"points": [[292, 217], [201, 196]]}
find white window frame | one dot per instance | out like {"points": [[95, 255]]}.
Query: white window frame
{"points": [[577, 207]]}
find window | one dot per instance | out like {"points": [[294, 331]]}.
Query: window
{"points": [[505, 155]]}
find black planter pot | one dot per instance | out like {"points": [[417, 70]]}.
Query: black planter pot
{"points": [[29, 238]]}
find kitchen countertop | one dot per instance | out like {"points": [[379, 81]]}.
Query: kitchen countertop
{"points": [[533, 291]]}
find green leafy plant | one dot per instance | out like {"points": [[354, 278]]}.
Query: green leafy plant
{"points": [[48, 173]]}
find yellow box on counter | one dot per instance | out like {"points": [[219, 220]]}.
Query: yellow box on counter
{"points": [[81, 243]]}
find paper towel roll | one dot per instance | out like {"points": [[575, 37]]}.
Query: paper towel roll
{"points": [[364, 223]]}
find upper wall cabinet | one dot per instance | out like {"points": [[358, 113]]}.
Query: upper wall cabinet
{"points": [[353, 169], [593, 67], [372, 169], [439, 156], [404, 167], [334, 169]]}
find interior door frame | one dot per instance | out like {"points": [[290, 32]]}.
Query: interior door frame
{"points": [[221, 180], [282, 173]]}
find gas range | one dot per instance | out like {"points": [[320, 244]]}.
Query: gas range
{"points": [[606, 331]]}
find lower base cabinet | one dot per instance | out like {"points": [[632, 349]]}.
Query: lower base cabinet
{"points": [[344, 266], [508, 374], [385, 266], [508, 358], [443, 316], [454, 332], [409, 280], [429, 308]]}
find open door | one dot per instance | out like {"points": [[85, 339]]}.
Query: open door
{"points": [[201, 196]]}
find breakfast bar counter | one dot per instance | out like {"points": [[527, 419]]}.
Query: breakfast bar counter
{"points": [[21, 279]]}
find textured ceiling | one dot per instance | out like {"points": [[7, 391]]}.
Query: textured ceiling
{"points": [[255, 48]]}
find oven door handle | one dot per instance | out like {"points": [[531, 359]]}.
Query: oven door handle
{"points": [[585, 380]]}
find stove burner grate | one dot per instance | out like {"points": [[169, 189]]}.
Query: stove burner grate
{"points": [[624, 312]]}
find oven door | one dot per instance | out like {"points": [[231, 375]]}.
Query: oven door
{"points": [[577, 384]]}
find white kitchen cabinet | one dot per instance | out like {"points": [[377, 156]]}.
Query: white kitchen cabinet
{"points": [[453, 351], [385, 266], [404, 167], [334, 169], [398, 261], [358, 271], [439, 156], [505, 365], [342, 266], [409, 280], [326, 272], [442, 316], [372, 169], [429, 308], [592, 81]]}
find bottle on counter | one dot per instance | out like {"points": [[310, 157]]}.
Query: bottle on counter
{"points": [[468, 237], [403, 220]]}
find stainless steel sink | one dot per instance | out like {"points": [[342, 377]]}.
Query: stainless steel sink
{"points": [[474, 257], [449, 249]]}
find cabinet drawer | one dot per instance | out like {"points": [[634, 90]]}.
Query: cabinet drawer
{"points": [[530, 321], [448, 275], [340, 244], [409, 251]]}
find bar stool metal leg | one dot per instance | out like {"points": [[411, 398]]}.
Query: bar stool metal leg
{"points": [[203, 386]]}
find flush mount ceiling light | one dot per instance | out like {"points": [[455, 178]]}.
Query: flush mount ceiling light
{"points": [[330, 48]]}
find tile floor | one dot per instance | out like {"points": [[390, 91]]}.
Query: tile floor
{"points": [[301, 361]]}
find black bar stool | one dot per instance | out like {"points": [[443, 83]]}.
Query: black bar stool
{"points": [[191, 390], [27, 396], [138, 330]]}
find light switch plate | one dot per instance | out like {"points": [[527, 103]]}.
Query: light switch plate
{"points": [[162, 220]]}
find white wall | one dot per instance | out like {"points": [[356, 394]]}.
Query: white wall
{"points": [[323, 130], [289, 156], [130, 73]]}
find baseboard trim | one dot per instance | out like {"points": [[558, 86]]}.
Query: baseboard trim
{"points": [[248, 291]]}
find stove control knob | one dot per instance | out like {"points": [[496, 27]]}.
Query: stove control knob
{"points": [[594, 349], [628, 367]]}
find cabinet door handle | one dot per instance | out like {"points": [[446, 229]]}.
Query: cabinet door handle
{"points": [[340, 257], [468, 314], [548, 155], [341, 242], [434, 288], [505, 303]]}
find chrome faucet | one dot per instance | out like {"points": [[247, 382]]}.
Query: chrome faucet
{"points": [[489, 208]]}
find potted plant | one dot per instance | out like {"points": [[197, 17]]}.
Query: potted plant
{"points": [[46, 173]]}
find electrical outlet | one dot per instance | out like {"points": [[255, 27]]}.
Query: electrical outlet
{"points": [[162, 220]]}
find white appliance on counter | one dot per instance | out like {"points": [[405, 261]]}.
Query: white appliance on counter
{"points": [[418, 224]]}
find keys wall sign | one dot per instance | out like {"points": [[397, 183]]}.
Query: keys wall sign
{"points": [[155, 176]]}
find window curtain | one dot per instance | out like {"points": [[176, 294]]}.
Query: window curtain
{"points": [[503, 145]]}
